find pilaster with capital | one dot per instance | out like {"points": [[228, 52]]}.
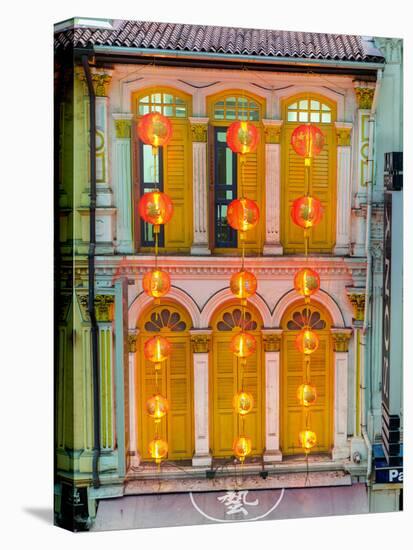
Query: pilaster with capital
{"points": [[341, 338], [272, 133], [200, 342], [132, 342], [199, 133], [343, 131], [272, 346], [122, 179]]}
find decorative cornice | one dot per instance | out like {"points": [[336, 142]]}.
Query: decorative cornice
{"points": [[343, 131], [200, 340], [199, 129], [341, 338], [357, 299], [272, 130]]}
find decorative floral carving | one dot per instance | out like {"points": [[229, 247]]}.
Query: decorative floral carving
{"points": [[272, 134], [199, 132], [358, 301], [344, 137], [272, 342], [104, 305], [132, 343], [306, 318], [123, 128], [200, 343], [340, 340], [364, 97]]}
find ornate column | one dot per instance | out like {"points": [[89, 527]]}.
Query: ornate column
{"points": [[200, 340], [122, 182], [105, 212], [341, 339], [199, 131], [364, 94], [343, 130], [272, 344], [272, 130], [133, 447]]}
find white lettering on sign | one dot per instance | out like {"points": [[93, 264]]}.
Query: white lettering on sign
{"points": [[395, 475], [235, 501]]}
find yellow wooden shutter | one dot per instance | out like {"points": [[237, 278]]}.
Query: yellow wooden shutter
{"points": [[323, 187], [253, 182], [179, 384], [252, 424], [177, 184], [293, 415], [225, 386]]}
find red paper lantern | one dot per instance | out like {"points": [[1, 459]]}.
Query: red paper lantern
{"points": [[157, 406], [307, 140], [243, 284], [243, 403], [306, 282], [157, 349], [158, 449], [242, 447], [156, 207], [307, 439], [307, 341], [306, 395], [243, 344], [243, 214], [155, 129], [242, 137], [306, 212], [156, 283]]}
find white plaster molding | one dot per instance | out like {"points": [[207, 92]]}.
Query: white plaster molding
{"points": [[342, 247], [201, 456], [200, 194], [272, 406], [341, 449], [225, 295], [142, 301], [321, 297]]}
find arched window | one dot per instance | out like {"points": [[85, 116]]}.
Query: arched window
{"points": [[172, 169], [321, 111], [226, 178]]}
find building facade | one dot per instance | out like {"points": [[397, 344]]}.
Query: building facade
{"points": [[203, 79]]}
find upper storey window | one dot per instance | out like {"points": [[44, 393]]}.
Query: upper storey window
{"points": [[166, 103], [237, 108], [309, 110]]}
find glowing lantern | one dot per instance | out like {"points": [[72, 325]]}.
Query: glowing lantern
{"points": [[307, 282], [155, 129], [243, 403], [243, 214], [307, 341], [306, 394], [242, 447], [157, 407], [307, 439], [156, 207], [243, 285], [157, 349], [242, 137], [243, 344], [307, 140], [306, 212], [156, 283], [158, 449]]}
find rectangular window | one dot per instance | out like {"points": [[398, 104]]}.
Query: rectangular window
{"points": [[225, 189], [150, 174]]}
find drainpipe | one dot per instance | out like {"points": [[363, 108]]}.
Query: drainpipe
{"points": [[366, 323], [91, 275]]}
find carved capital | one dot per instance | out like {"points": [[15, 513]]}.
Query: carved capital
{"points": [[101, 79], [343, 132], [341, 338], [200, 341], [104, 307], [364, 97], [272, 340], [123, 128], [272, 130], [357, 300], [132, 343], [199, 129]]}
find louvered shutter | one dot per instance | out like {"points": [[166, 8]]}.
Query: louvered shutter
{"points": [[253, 183], [177, 184], [322, 237]]}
